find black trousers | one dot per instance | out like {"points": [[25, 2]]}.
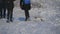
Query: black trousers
{"points": [[10, 7], [0, 10], [4, 10], [27, 14], [9, 14]]}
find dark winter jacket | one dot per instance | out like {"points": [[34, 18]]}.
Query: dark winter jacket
{"points": [[25, 6]]}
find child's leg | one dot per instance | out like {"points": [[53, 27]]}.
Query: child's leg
{"points": [[27, 14]]}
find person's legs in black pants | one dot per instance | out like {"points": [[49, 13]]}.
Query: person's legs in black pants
{"points": [[26, 14], [9, 14]]}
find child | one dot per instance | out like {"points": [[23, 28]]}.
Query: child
{"points": [[26, 6]]}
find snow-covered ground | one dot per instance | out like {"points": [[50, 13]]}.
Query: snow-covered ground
{"points": [[50, 24]]}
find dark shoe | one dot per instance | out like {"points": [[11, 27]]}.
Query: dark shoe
{"points": [[26, 19], [0, 17], [7, 21], [3, 16], [11, 20]]}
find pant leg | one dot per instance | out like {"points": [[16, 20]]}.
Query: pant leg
{"points": [[0, 13], [8, 14], [4, 9], [0, 10], [4, 12], [11, 14], [27, 14], [11, 11]]}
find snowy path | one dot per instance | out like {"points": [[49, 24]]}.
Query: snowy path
{"points": [[35, 26]]}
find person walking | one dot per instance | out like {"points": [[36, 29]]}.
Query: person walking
{"points": [[26, 6]]}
